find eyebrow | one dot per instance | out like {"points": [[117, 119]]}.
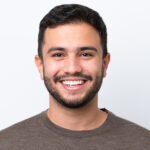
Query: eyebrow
{"points": [[56, 49], [87, 48], [79, 49]]}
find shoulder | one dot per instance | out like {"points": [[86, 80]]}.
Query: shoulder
{"points": [[127, 132], [20, 133]]}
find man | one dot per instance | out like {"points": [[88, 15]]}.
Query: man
{"points": [[72, 60]]}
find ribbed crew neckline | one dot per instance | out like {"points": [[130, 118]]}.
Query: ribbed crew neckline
{"points": [[73, 133]]}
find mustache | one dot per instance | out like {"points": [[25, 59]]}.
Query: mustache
{"points": [[77, 74]]}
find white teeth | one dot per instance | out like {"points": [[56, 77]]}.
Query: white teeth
{"points": [[73, 83]]}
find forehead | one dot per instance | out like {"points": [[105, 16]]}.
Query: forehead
{"points": [[71, 35]]}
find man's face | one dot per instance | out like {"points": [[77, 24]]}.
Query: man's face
{"points": [[72, 67]]}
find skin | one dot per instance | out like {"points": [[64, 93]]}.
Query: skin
{"points": [[71, 37]]}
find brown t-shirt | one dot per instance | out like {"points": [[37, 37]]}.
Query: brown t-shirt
{"points": [[39, 133]]}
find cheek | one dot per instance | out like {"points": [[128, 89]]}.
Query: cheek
{"points": [[51, 69], [93, 67]]}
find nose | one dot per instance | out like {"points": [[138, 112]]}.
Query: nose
{"points": [[72, 65]]}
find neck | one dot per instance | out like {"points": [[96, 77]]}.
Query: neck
{"points": [[86, 118]]}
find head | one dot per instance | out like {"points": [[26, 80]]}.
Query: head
{"points": [[72, 13], [72, 54]]}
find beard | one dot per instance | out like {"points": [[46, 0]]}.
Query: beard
{"points": [[76, 103]]}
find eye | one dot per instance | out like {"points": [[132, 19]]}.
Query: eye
{"points": [[57, 55], [86, 54]]}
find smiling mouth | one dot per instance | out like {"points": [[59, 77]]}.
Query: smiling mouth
{"points": [[73, 85], [73, 82]]}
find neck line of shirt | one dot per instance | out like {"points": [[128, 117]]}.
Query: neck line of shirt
{"points": [[74, 133]]}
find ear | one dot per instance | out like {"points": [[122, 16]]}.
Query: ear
{"points": [[105, 63], [39, 65]]}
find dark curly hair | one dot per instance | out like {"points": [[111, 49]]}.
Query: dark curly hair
{"points": [[71, 13]]}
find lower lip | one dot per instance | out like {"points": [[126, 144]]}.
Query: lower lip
{"points": [[74, 88]]}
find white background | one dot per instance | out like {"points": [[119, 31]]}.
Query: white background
{"points": [[125, 90]]}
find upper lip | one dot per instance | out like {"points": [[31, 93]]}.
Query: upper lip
{"points": [[72, 79]]}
